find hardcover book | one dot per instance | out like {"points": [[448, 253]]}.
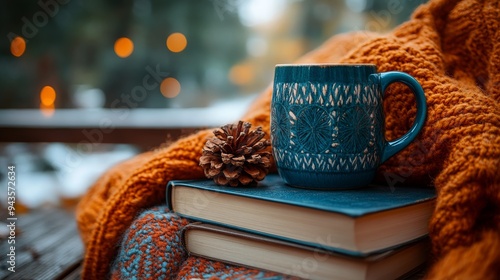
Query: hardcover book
{"points": [[251, 250], [356, 221]]}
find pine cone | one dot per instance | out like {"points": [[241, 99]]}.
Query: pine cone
{"points": [[236, 155]]}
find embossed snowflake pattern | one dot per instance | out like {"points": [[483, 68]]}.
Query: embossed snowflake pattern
{"points": [[354, 130], [314, 129], [280, 126]]}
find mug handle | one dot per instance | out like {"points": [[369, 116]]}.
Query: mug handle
{"points": [[387, 78]]}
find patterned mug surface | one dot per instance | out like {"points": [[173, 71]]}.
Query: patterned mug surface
{"points": [[327, 123]]}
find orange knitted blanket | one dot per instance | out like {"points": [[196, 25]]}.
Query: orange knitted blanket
{"points": [[453, 49]]}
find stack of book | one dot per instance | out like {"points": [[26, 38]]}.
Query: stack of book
{"points": [[375, 232]]}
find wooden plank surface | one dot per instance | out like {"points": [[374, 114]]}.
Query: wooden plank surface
{"points": [[74, 275], [143, 138], [145, 128], [47, 246]]}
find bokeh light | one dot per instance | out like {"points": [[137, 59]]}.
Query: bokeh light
{"points": [[170, 87], [17, 46], [242, 74], [124, 47], [47, 96], [176, 42]]}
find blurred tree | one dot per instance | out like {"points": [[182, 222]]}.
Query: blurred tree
{"points": [[70, 43]]}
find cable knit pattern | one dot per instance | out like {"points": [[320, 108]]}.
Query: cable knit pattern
{"points": [[453, 49]]}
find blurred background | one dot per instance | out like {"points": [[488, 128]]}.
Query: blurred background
{"points": [[67, 68]]}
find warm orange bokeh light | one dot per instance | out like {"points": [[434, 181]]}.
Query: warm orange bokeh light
{"points": [[176, 42], [47, 96], [242, 74], [124, 47], [170, 87], [18, 46]]}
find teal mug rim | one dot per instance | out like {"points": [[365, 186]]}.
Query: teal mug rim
{"points": [[320, 72], [325, 64]]}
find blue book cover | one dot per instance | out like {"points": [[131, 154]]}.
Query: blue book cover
{"points": [[357, 221]]}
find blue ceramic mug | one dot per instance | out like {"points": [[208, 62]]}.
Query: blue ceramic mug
{"points": [[327, 123]]}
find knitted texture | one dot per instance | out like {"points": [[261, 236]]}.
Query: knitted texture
{"points": [[452, 48], [151, 249]]}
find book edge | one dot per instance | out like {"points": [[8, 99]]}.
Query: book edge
{"points": [[334, 250], [352, 214], [192, 184], [268, 239], [230, 232]]}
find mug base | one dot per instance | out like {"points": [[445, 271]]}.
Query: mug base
{"points": [[326, 181]]}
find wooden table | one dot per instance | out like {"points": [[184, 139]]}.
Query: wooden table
{"points": [[145, 128], [47, 246]]}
